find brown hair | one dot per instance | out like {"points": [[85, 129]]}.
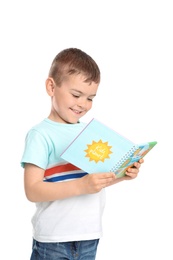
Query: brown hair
{"points": [[74, 61]]}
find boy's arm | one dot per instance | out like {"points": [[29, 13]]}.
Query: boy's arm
{"points": [[38, 190]]}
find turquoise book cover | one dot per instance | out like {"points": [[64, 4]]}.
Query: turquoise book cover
{"points": [[99, 148]]}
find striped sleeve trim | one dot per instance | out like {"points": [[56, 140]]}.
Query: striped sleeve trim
{"points": [[63, 172], [61, 168]]}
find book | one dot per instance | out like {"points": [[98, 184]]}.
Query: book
{"points": [[99, 148]]}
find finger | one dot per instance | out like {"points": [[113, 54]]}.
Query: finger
{"points": [[132, 175], [133, 170], [141, 160], [137, 165], [105, 181], [105, 177]]}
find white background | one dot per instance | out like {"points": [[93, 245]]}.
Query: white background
{"points": [[132, 42]]}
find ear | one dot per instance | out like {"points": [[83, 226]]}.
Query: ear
{"points": [[50, 86]]}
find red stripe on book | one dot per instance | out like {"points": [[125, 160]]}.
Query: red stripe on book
{"points": [[61, 168]]}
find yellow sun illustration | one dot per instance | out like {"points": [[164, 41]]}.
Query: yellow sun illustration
{"points": [[98, 151]]}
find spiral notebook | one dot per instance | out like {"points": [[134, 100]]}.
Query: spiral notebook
{"points": [[99, 148]]}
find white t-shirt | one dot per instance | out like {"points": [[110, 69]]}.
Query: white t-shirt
{"points": [[72, 219]]}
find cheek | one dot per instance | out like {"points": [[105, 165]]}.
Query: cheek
{"points": [[57, 102], [89, 105]]}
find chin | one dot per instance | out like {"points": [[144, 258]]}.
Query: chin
{"points": [[72, 121]]}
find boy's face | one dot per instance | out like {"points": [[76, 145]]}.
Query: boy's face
{"points": [[72, 100]]}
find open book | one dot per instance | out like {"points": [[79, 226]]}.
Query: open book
{"points": [[99, 148]]}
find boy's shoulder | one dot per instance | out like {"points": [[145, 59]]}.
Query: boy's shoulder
{"points": [[47, 125]]}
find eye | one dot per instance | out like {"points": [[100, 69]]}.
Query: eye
{"points": [[76, 96], [90, 99]]}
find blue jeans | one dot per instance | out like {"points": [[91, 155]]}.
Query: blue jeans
{"points": [[78, 250]]}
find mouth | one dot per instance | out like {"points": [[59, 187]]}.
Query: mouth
{"points": [[77, 112]]}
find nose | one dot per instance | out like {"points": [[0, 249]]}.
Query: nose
{"points": [[81, 102]]}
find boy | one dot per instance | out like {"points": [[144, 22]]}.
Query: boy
{"points": [[70, 203]]}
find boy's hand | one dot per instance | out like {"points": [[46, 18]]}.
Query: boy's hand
{"points": [[132, 172], [95, 182]]}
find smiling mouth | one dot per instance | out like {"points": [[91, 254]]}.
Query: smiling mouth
{"points": [[76, 111]]}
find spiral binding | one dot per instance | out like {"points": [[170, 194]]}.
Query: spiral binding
{"points": [[123, 159]]}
